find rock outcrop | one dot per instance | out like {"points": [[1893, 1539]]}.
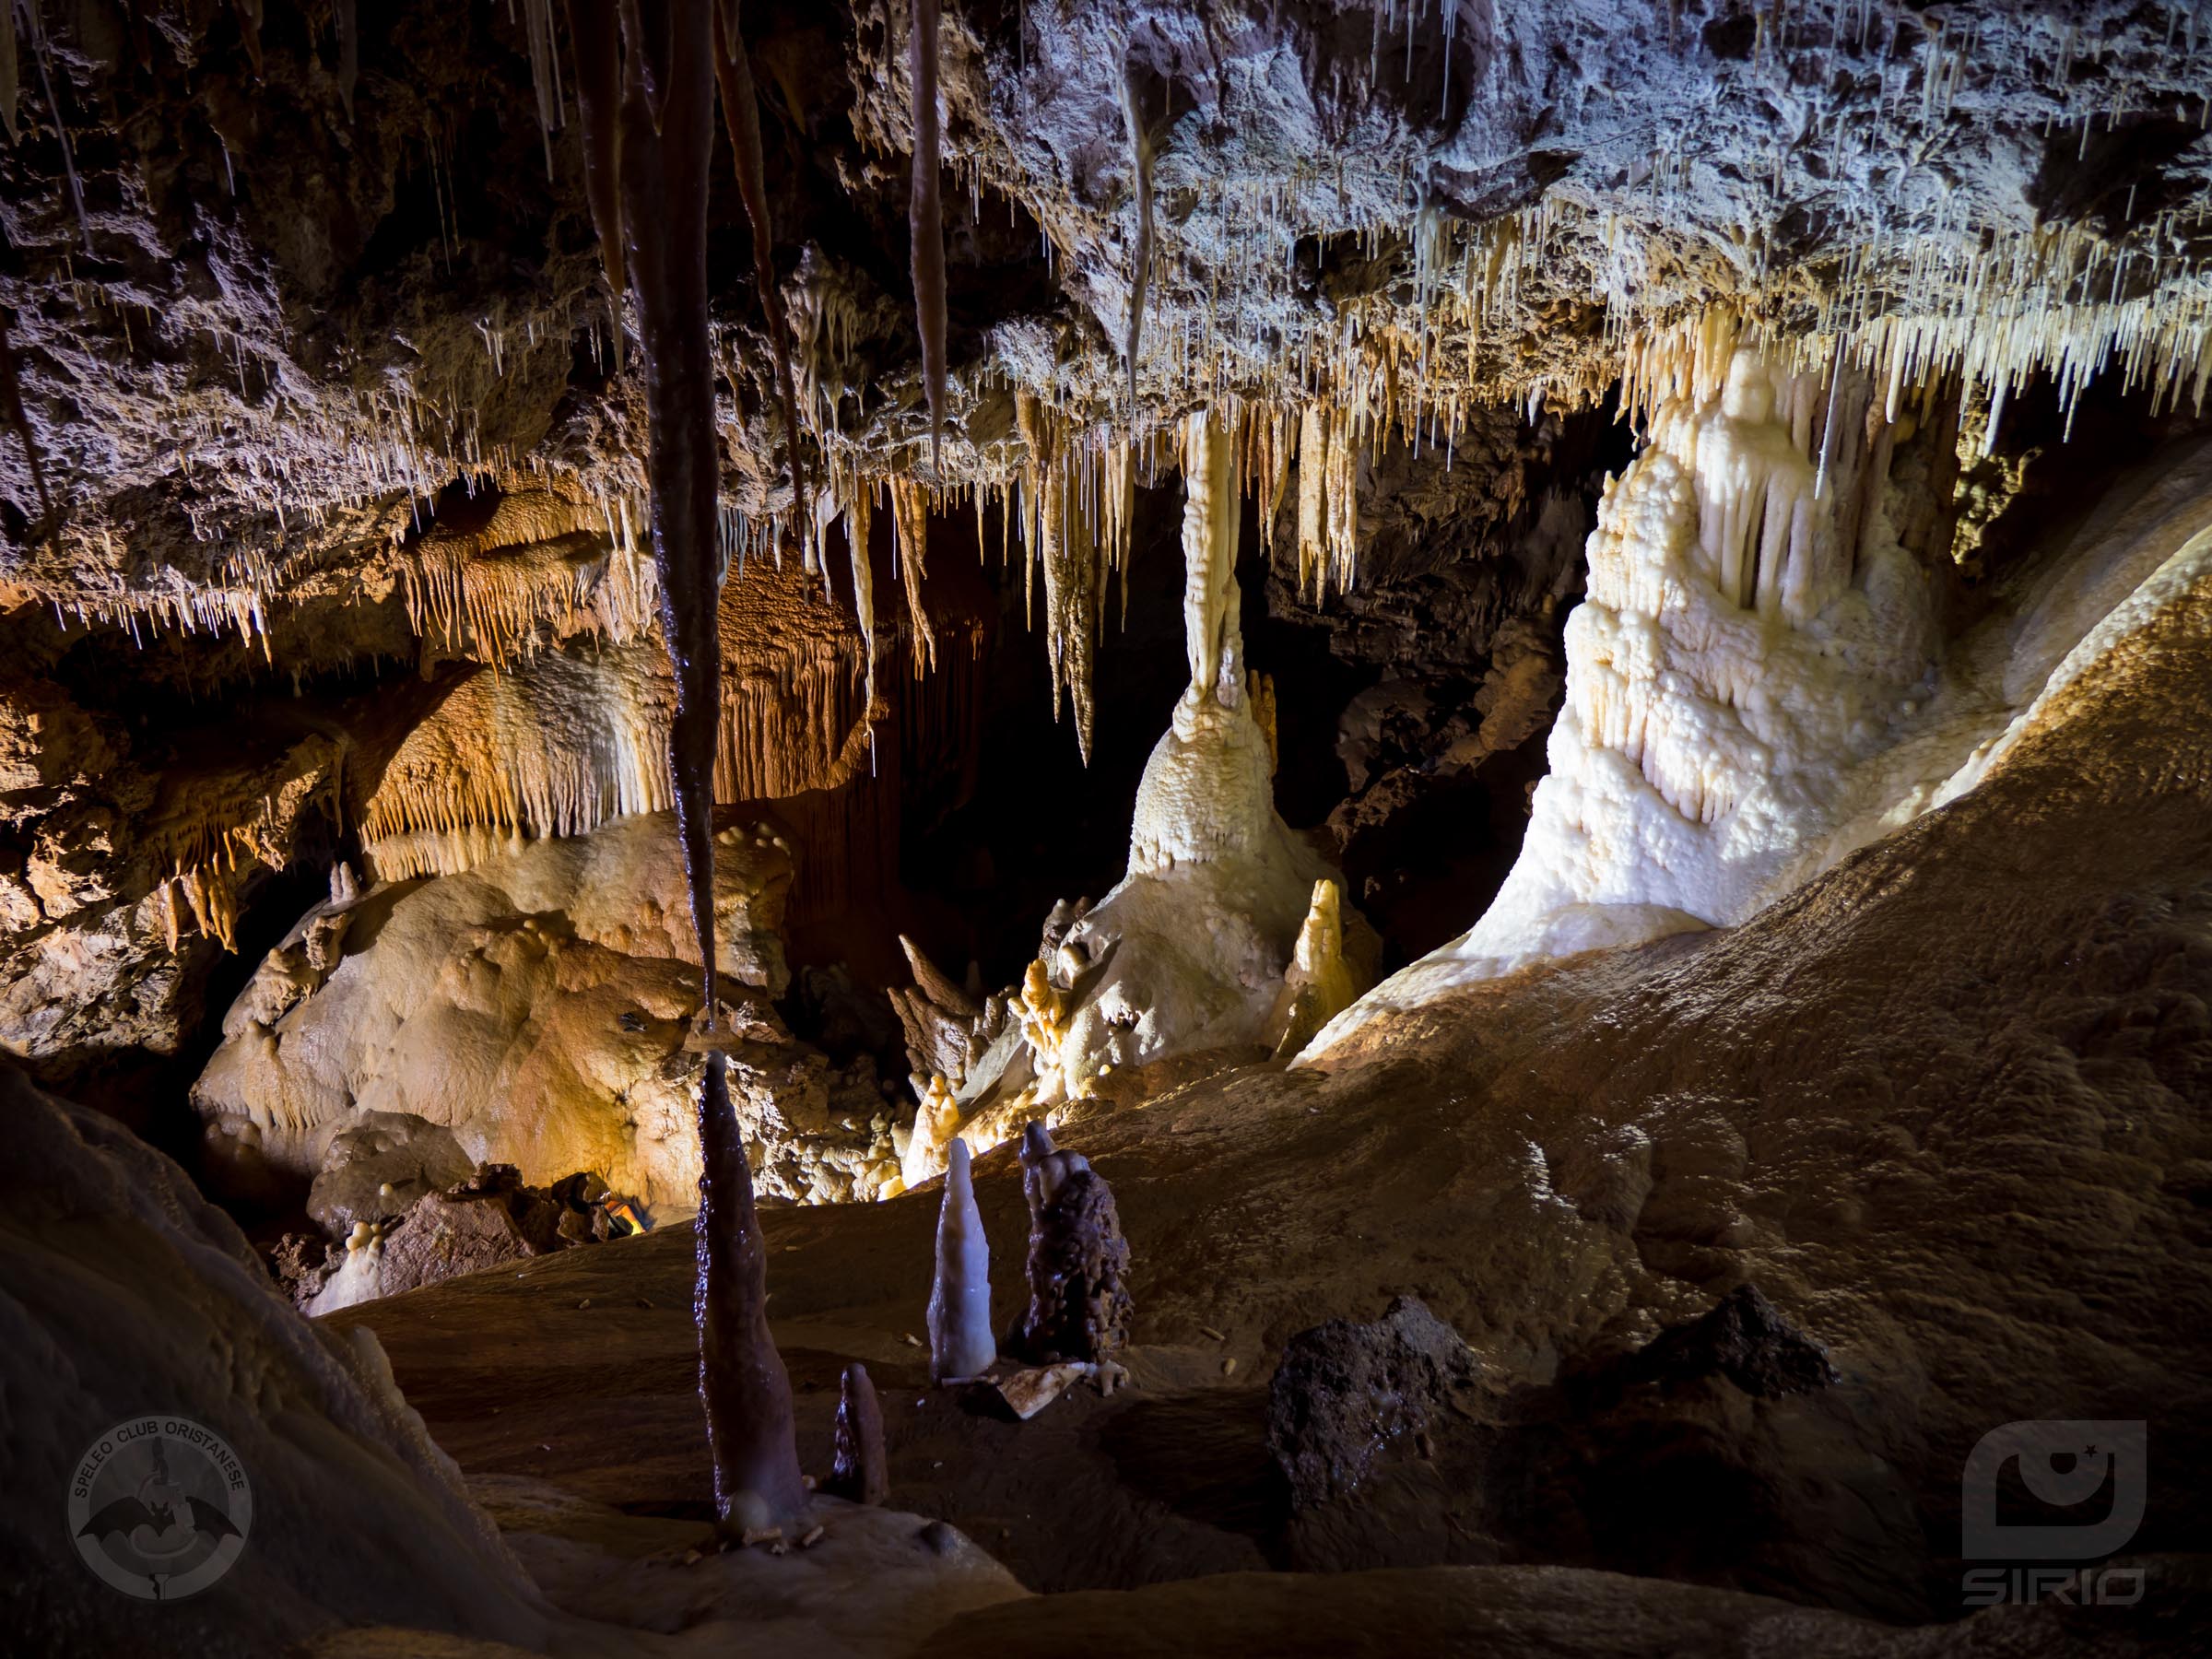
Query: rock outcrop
{"points": [[536, 1008], [129, 1292]]}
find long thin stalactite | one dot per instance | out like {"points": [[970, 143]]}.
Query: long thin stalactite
{"points": [[741, 118], [665, 146], [925, 215]]}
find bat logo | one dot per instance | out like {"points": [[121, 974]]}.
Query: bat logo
{"points": [[160, 1507]]}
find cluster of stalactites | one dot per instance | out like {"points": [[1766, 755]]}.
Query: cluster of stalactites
{"points": [[561, 745], [1328, 506], [1788, 453], [209, 838], [549, 565], [1078, 498], [1763, 486]]}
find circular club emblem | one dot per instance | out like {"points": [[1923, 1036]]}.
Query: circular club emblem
{"points": [[160, 1507]]}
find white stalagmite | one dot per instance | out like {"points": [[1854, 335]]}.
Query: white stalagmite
{"points": [[1755, 684], [960, 1342], [1190, 951], [1735, 657]]}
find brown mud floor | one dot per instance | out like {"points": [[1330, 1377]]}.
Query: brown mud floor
{"points": [[1950, 1107]]}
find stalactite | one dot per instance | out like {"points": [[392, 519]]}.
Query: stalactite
{"points": [[539, 565], [741, 117], [594, 36], [350, 53], [249, 28], [926, 218], [858, 524], [1140, 262], [8, 83], [1068, 552], [544, 72], [667, 149], [43, 55], [1209, 553], [1313, 501], [11, 410], [909, 524]]}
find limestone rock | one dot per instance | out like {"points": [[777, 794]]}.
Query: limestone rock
{"points": [[538, 1009], [125, 1286]]}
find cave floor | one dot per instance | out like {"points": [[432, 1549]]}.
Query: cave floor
{"points": [[1956, 1134]]}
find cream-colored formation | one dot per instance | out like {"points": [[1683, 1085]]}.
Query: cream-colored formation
{"points": [[1756, 685], [1225, 931], [539, 1006]]}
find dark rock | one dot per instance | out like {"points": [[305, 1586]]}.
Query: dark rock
{"points": [[487, 1219], [1744, 1339], [1345, 1392], [1078, 1262], [858, 1468]]}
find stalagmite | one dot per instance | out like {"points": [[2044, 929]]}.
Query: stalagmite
{"points": [[926, 218], [1318, 985], [666, 146], [1078, 1262], [960, 1341], [935, 983], [1752, 638], [910, 522], [858, 1468], [936, 1121], [741, 117]]}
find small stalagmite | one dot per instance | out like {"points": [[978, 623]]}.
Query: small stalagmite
{"points": [[1078, 1262], [858, 1468], [1318, 985], [960, 1344]]}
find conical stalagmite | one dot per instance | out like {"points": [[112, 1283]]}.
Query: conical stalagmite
{"points": [[858, 1468], [960, 1340]]}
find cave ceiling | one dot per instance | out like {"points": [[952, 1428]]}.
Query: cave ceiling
{"points": [[288, 285]]}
